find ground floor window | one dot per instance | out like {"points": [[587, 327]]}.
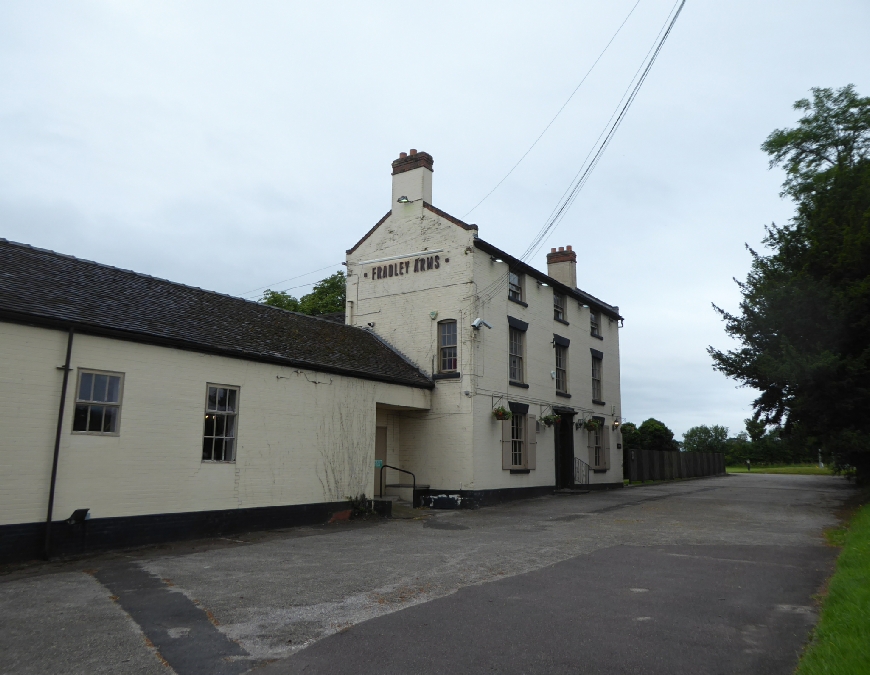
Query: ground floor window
{"points": [[519, 441], [599, 445], [98, 403], [221, 415], [518, 438]]}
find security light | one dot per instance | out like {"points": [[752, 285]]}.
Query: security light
{"points": [[494, 259], [403, 200]]}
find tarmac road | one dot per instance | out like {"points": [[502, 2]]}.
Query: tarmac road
{"points": [[705, 576]]}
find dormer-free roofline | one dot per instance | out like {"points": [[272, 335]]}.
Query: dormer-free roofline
{"points": [[428, 207], [601, 306]]}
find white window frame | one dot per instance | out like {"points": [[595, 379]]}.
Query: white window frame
{"points": [[213, 412], [561, 368], [90, 402], [559, 306], [515, 290], [518, 441], [596, 447], [442, 348], [516, 349], [594, 323], [597, 384]]}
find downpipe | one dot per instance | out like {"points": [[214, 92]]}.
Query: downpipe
{"points": [[66, 369]]}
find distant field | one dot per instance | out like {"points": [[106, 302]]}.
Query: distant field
{"points": [[800, 469]]}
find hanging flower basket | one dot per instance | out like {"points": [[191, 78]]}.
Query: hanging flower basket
{"points": [[502, 413], [590, 424], [550, 420]]}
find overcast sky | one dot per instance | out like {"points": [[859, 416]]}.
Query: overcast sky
{"points": [[234, 145]]}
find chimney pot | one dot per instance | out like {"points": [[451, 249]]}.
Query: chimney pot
{"points": [[562, 266], [412, 177], [553, 250], [569, 247]]}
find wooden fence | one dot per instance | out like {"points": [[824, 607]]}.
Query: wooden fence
{"points": [[642, 465]]}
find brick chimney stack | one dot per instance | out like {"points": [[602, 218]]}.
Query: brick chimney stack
{"points": [[562, 266], [412, 178]]}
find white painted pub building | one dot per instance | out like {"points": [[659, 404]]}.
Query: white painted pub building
{"points": [[137, 410]]}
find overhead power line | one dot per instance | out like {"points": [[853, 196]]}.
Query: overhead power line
{"points": [[284, 281], [558, 112], [594, 156]]}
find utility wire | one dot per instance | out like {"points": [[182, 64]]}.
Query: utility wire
{"points": [[284, 281], [596, 152], [559, 112]]}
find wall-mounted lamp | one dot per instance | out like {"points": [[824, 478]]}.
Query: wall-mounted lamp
{"points": [[403, 200], [494, 259], [585, 306], [615, 425], [541, 283]]}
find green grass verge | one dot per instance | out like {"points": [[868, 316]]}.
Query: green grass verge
{"points": [[798, 469], [841, 640]]}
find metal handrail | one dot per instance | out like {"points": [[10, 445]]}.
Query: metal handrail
{"points": [[395, 468], [581, 472]]}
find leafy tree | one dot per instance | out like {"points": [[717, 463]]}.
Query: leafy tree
{"points": [[328, 295], [706, 439], [655, 435], [804, 320], [630, 437]]}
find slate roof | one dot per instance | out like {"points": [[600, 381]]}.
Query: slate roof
{"points": [[48, 288]]}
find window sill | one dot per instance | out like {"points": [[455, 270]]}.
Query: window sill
{"points": [[597, 337], [599, 470], [518, 302], [447, 376], [516, 471], [214, 461], [111, 434], [561, 321], [518, 384], [597, 402], [563, 394]]}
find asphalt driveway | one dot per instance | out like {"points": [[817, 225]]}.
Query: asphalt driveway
{"points": [[705, 576]]}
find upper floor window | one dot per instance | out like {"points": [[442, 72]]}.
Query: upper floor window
{"points": [[558, 306], [516, 355], [594, 323], [515, 286], [221, 413], [98, 402], [562, 369], [447, 351], [596, 378]]}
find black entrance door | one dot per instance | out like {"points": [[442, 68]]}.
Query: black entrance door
{"points": [[564, 436]]}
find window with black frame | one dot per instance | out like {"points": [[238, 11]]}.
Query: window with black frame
{"points": [[221, 415], [594, 323], [447, 349]]}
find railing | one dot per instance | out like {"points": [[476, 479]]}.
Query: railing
{"points": [[413, 484], [581, 472]]}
